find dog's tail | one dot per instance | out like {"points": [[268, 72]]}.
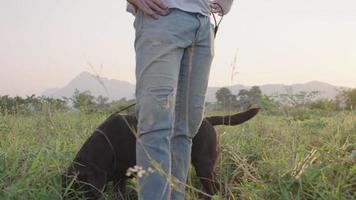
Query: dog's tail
{"points": [[235, 119]]}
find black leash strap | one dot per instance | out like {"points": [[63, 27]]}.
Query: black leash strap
{"points": [[216, 22], [125, 108]]}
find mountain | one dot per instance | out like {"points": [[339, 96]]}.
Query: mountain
{"points": [[116, 89], [326, 91]]}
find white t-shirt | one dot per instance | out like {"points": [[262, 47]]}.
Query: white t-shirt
{"points": [[194, 6]]}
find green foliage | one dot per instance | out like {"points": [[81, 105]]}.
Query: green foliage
{"points": [[324, 104], [33, 103], [86, 103], [297, 99], [102, 103], [244, 99], [83, 101], [121, 104], [269, 105], [225, 99], [254, 96], [258, 159], [349, 97]]}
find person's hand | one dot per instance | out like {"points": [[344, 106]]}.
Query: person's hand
{"points": [[222, 7], [150, 7]]}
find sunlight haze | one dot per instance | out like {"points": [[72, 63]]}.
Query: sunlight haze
{"points": [[46, 43]]}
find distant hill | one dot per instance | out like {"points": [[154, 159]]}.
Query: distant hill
{"points": [[325, 90], [116, 89]]}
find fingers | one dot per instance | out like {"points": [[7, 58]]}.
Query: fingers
{"points": [[160, 4], [222, 7], [147, 9], [152, 8], [157, 7], [216, 8]]}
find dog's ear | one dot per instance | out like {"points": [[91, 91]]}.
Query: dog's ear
{"points": [[97, 179]]}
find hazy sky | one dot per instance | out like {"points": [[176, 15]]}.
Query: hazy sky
{"points": [[46, 43]]}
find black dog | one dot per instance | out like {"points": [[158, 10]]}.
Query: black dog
{"points": [[110, 151]]}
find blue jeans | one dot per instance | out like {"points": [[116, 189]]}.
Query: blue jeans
{"points": [[173, 59]]}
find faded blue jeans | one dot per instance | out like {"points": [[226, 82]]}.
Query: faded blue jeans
{"points": [[173, 59]]}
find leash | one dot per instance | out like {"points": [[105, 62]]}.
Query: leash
{"points": [[125, 108], [216, 22]]}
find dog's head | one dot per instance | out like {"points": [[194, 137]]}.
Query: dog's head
{"points": [[83, 180]]}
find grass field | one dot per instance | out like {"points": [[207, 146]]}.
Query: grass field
{"points": [[269, 157]]}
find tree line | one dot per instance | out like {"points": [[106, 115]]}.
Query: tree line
{"points": [[87, 103], [345, 100], [83, 102]]}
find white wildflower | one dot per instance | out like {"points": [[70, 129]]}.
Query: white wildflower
{"points": [[137, 170], [141, 173], [128, 173], [150, 170]]}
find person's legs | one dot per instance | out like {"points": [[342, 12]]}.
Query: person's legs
{"points": [[159, 48], [192, 85]]}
